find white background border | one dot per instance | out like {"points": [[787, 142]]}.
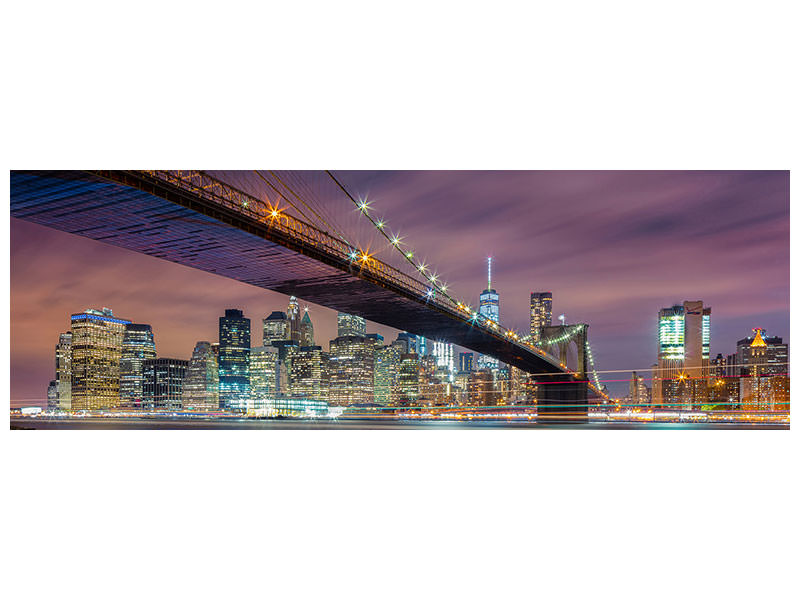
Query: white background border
{"points": [[412, 514]]}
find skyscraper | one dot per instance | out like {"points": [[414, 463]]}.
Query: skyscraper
{"points": [[201, 386], [275, 328], [466, 362], [443, 354], [234, 361], [137, 346], [541, 313], [264, 376], [351, 325], [762, 366], [684, 335], [351, 370], [96, 353], [309, 375], [489, 307], [163, 383], [64, 372], [293, 316], [306, 330]]}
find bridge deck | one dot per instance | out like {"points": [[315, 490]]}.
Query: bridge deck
{"points": [[185, 229]]}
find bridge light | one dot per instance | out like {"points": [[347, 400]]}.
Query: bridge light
{"points": [[363, 206], [379, 224], [409, 255], [274, 213], [353, 255], [395, 240]]}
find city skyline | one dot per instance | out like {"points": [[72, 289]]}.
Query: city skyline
{"points": [[114, 277]]}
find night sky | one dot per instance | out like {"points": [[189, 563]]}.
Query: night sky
{"points": [[612, 246]]}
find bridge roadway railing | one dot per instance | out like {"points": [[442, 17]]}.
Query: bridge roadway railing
{"points": [[211, 189]]}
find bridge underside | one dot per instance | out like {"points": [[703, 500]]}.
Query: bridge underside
{"points": [[191, 231]]}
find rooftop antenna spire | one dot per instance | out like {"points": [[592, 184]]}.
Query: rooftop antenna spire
{"points": [[490, 274]]}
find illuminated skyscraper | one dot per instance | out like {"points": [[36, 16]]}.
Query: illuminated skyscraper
{"points": [[264, 376], [684, 335], [52, 395], [541, 313], [387, 368], [137, 346], [201, 386], [293, 316], [762, 368], [276, 328], [351, 370], [64, 372], [466, 362], [309, 376], [234, 361], [306, 330], [408, 379], [443, 354], [351, 325], [96, 353], [163, 383], [489, 307]]}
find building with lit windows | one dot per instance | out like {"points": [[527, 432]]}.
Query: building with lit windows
{"points": [[306, 330], [97, 337], [350, 325], [163, 383], [408, 391], [264, 376], [234, 361], [138, 346], [684, 335], [541, 313], [309, 374], [762, 365], [293, 318], [408, 342], [351, 365], [443, 354], [489, 307], [638, 392], [275, 328], [201, 386], [387, 368], [64, 372], [480, 388], [52, 395], [466, 361]]}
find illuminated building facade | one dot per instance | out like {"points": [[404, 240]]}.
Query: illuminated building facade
{"points": [[64, 372], [96, 353], [234, 361], [309, 374], [408, 379], [541, 313], [466, 362], [138, 346], [201, 386], [293, 317], [489, 307], [351, 370], [480, 388], [350, 325], [387, 368], [264, 376], [638, 392], [163, 383], [443, 354], [306, 330], [763, 366], [52, 395], [275, 328], [684, 335]]}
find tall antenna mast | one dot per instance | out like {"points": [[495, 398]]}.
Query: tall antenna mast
{"points": [[490, 274]]}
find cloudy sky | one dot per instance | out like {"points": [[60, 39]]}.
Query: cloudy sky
{"points": [[612, 246]]}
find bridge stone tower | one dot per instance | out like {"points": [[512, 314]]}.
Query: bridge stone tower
{"points": [[562, 397]]}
